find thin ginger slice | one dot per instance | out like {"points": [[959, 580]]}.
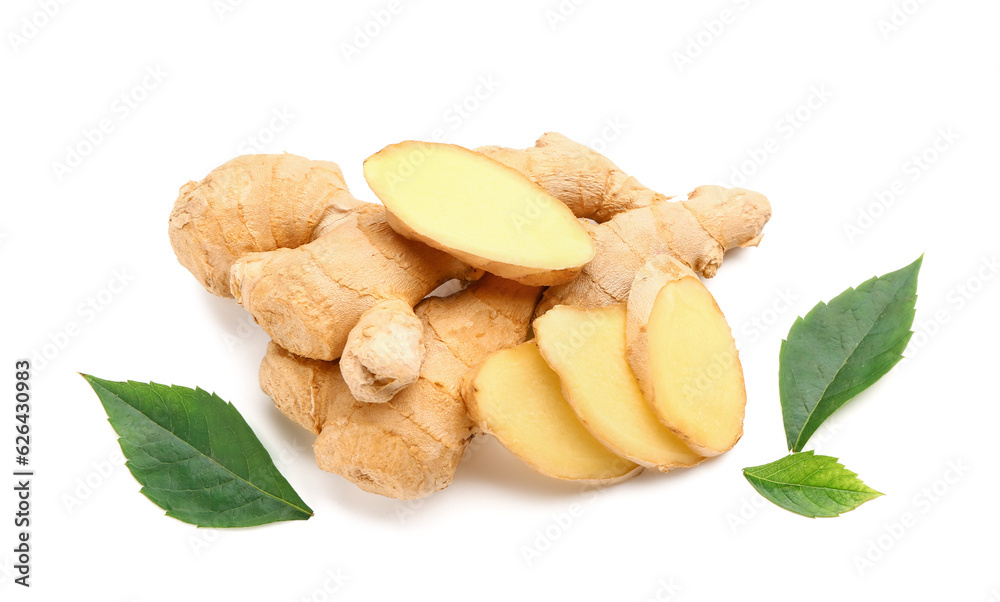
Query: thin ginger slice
{"points": [[685, 359], [515, 396], [586, 348], [478, 210]]}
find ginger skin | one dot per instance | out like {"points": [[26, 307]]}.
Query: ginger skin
{"points": [[634, 223], [308, 299], [284, 236], [254, 203], [696, 232], [583, 179], [410, 446]]}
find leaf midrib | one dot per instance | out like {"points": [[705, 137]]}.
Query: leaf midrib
{"points": [[808, 486], [211, 459]]}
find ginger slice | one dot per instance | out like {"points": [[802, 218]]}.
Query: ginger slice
{"points": [[515, 396], [478, 210], [586, 348], [685, 359]]}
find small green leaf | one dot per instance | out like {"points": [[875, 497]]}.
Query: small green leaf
{"points": [[810, 485], [196, 457], [840, 349]]}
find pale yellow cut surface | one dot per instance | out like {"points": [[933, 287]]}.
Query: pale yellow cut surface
{"points": [[586, 348], [515, 396], [695, 370], [479, 210]]}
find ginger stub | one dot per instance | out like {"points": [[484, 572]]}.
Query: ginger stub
{"points": [[479, 211], [410, 446], [515, 396], [586, 348], [685, 359]]}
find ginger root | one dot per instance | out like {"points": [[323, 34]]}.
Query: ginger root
{"points": [[254, 203], [690, 231], [363, 358], [410, 446], [635, 223], [583, 179], [308, 299], [284, 236]]}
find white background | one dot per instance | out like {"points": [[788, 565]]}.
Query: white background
{"points": [[678, 94]]}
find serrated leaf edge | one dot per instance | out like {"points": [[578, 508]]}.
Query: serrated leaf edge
{"points": [[799, 443], [834, 464], [91, 380]]}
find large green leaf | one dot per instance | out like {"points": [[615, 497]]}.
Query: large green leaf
{"points": [[196, 457], [810, 485], [841, 348]]}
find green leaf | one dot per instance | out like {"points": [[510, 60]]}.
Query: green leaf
{"points": [[840, 349], [196, 457], [810, 485]]}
